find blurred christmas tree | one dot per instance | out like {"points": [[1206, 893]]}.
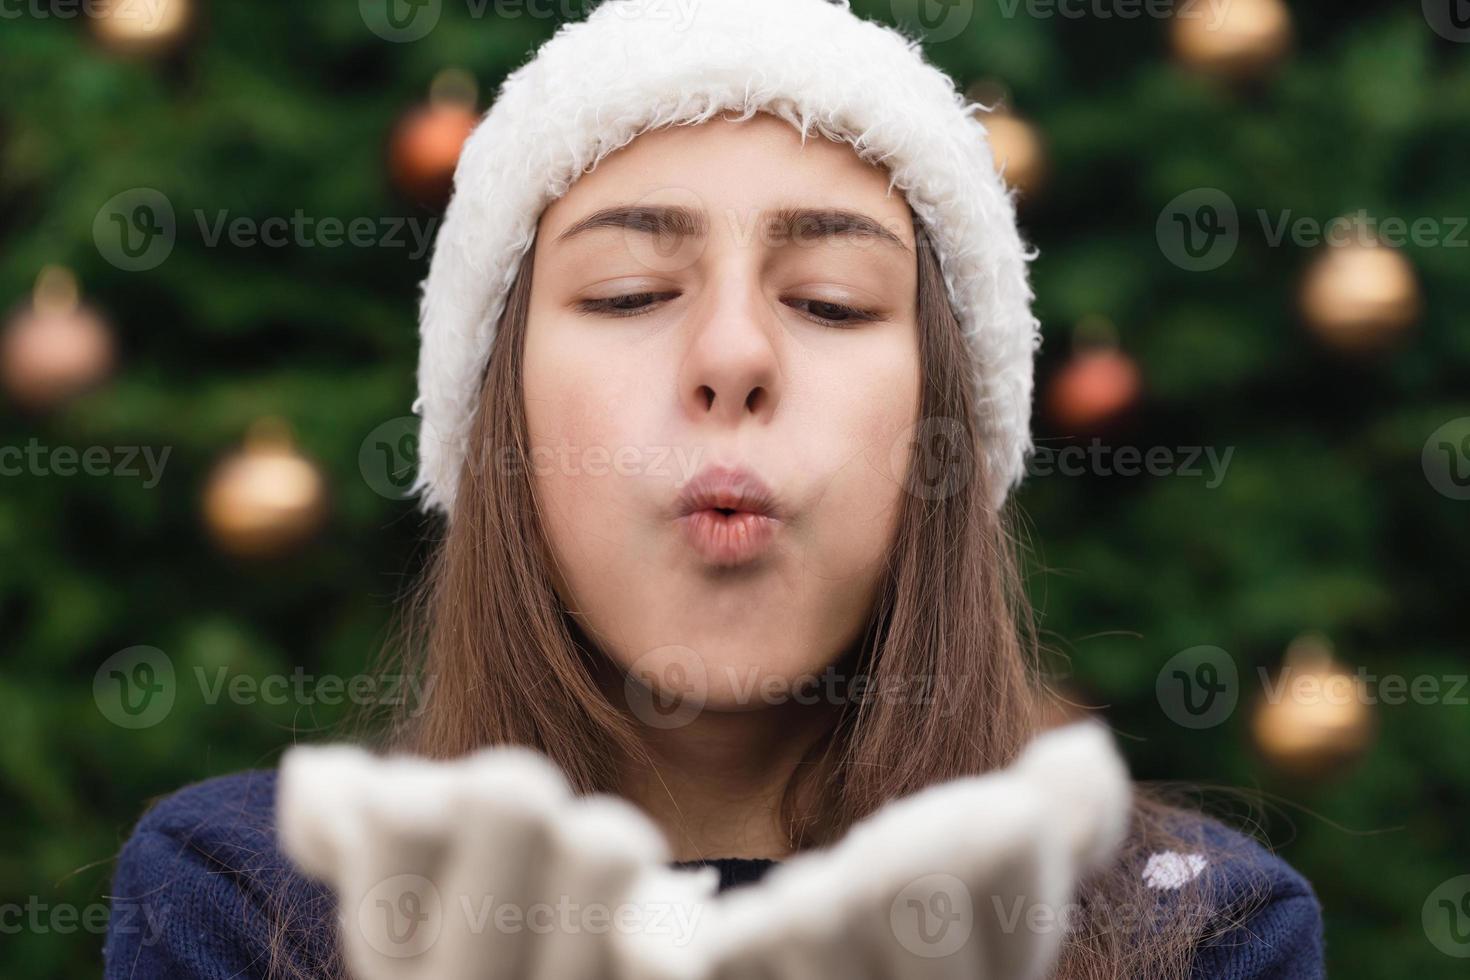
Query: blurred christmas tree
{"points": [[1295, 411]]}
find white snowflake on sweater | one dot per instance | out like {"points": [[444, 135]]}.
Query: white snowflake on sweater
{"points": [[1168, 870]]}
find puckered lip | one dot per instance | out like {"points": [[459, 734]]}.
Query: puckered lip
{"points": [[731, 488]]}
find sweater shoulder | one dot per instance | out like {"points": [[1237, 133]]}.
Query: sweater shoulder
{"points": [[1259, 917], [1231, 865], [235, 812], [202, 890]]}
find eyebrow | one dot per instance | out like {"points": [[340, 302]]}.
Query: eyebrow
{"points": [[785, 223]]}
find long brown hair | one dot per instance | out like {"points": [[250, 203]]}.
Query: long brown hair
{"points": [[506, 664]]}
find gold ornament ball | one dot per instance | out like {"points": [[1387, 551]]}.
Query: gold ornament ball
{"points": [[1360, 296], [1236, 40], [1320, 721], [1020, 154], [266, 499], [56, 348], [142, 26]]}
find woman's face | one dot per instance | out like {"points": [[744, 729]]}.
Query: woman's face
{"points": [[697, 335]]}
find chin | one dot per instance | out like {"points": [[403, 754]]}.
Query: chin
{"points": [[734, 666], [730, 640]]}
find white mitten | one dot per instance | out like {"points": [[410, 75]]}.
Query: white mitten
{"points": [[967, 879], [964, 880], [479, 868]]}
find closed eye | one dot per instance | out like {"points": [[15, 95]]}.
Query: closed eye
{"points": [[629, 304], [635, 304], [833, 314]]}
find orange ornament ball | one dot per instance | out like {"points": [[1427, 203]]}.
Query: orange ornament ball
{"points": [[1096, 388], [56, 348], [425, 150]]}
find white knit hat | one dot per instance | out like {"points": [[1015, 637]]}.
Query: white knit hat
{"points": [[637, 65]]}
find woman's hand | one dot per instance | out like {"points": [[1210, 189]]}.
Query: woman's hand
{"points": [[486, 867]]}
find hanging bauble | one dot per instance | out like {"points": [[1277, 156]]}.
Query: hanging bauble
{"points": [[1017, 146], [425, 145], [1360, 295], [1236, 40], [1020, 153], [266, 499], [1313, 720], [56, 347], [1098, 386], [143, 27]]}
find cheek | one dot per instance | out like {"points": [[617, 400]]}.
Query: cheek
{"points": [[582, 417], [861, 422]]}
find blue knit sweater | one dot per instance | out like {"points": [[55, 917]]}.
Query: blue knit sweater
{"points": [[201, 890]]}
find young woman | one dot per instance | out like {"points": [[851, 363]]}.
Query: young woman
{"points": [[722, 426]]}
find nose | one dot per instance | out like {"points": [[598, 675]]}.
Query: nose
{"points": [[732, 366]]}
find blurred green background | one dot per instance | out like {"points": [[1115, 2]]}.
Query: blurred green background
{"points": [[1340, 509]]}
